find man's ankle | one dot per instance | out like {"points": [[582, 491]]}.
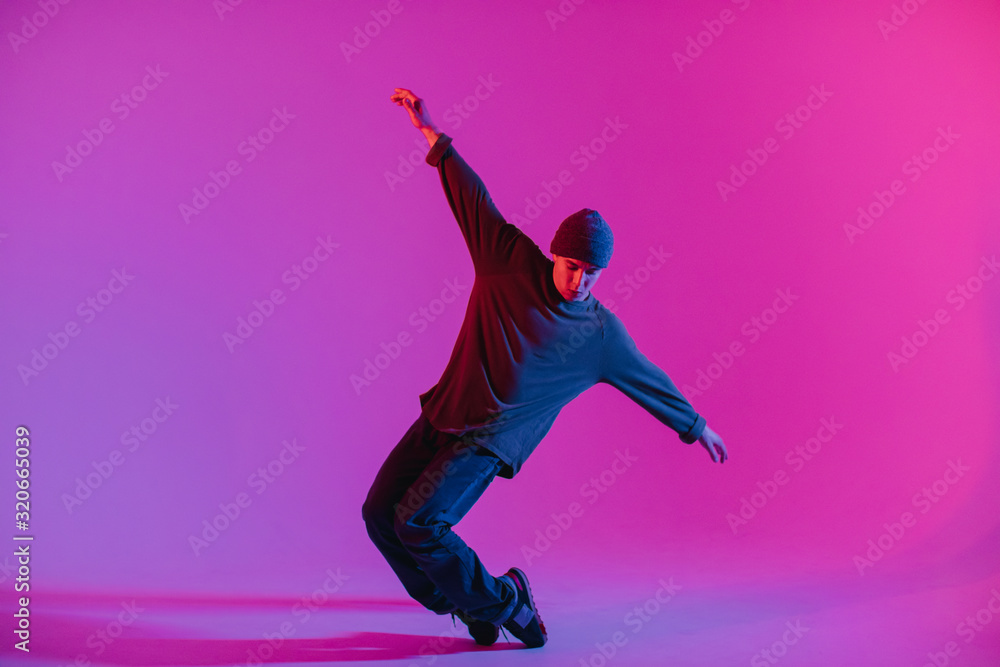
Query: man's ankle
{"points": [[510, 598]]}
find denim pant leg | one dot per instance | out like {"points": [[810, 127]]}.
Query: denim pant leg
{"points": [[427, 484], [455, 479], [404, 466]]}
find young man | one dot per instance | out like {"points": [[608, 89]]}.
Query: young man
{"points": [[534, 338]]}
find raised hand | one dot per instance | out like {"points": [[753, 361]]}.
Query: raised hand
{"points": [[415, 106]]}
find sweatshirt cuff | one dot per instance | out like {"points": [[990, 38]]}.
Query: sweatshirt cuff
{"points": [[438, 149], [694, 432]]}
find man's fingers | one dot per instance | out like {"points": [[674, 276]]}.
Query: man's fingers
{"points": [[716, 449], [408, 100], [402, 94], [711, 451]]}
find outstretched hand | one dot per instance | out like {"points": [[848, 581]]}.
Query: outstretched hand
{"points": [[415, 106], [711, 441]]}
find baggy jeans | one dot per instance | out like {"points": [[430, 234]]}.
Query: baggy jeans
{"points": [[427, 484]]}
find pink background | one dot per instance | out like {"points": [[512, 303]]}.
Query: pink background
{"points": [[324, 175]]}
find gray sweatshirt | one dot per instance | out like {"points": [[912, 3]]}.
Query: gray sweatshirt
{"points": [[523, 351]]}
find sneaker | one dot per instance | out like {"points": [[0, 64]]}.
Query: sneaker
{"points": [[525, 623], [484, 632]]}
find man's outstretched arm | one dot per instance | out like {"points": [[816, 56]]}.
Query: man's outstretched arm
{"points": [[627, 369], [490, 238]]}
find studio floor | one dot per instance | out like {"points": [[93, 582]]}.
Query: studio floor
{"points": [[641, 618]]}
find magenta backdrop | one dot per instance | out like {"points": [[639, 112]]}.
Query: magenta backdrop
{"points": [[814, 189]]}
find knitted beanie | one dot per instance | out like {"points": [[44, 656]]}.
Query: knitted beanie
{"points": [[586, 237]]}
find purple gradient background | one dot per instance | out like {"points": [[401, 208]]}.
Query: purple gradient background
{"points": [[324, 175]]}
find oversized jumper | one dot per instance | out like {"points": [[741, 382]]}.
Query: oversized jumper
{"points": [[532, 340]]}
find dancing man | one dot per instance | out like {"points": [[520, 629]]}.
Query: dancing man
{"points": [[533, 339]]}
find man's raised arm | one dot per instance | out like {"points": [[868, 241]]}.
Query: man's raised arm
{"points": [[489, 237]]}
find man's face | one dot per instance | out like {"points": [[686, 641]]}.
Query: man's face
{"points": [[574, 278]]}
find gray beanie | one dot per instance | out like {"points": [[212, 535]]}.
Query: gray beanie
{"points": [[586, 237]]}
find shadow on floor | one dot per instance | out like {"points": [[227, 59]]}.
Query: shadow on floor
{"points": [[66, 635]]}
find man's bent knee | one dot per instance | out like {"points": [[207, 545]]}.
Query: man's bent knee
{"points": [[374, 515], [415, 534]]}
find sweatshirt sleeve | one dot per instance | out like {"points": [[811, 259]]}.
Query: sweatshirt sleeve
{"points": [[626, 368], [491, 239]]}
